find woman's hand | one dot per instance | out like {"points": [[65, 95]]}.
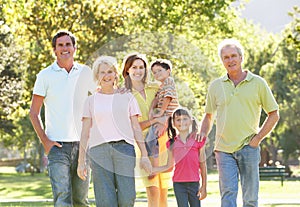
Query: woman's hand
{"points": [[162, 120], [146, 164], [160, 129], [82, 171], [122, 90]]}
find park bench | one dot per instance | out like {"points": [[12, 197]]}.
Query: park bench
{"points": [[273, 171]]}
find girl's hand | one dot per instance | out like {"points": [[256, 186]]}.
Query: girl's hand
{"points": [[151, 176], [202, 193], [82, 171], [146, 164]]}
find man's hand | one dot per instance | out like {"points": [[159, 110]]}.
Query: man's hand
{"points": [[255, 142], [200, 137], [49, 144]]}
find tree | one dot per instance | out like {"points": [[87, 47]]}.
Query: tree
{"points": [[281, 70], [186, 32], [287, 79], [33, 24], [11, 86]]}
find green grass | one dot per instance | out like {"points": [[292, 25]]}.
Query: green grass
{"points": [[30, 188]]}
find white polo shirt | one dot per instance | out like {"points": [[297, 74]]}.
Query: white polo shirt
{"points": [[64, 95]]}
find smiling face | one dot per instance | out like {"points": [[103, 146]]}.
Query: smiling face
{"points": [[64, 49], [137, 71], [160, 73], [231, 59], [106, 75], [182, 122]]}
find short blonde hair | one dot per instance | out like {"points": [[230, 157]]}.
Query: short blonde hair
{"points": [[109, 60]]}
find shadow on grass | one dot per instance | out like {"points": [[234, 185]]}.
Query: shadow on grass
{"points": [[22, 185], [27, 204]]}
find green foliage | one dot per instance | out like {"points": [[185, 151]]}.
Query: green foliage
{"points": [[191, 69], [293, 34], [10, 78], [282, 71], [92, 22], [186, 32]]}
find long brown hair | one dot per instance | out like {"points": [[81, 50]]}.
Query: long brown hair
{"points": [[127, 63]]}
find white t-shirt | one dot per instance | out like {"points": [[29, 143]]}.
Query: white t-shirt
{"points": [[64, 95], [110, 115]]}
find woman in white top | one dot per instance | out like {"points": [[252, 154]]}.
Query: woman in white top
{"points": [[109, 128]]}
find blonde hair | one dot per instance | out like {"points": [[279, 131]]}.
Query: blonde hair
{"points": [[109, 60]]}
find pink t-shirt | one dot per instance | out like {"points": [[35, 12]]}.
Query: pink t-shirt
{"points": [[186, 156], [110, 115]]}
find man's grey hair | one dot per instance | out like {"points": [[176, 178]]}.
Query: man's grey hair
{"points": [[233, 43]]}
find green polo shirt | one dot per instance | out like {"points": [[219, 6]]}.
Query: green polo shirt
{"points": [[238, 109]]}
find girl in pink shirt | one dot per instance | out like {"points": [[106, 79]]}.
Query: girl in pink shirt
{"points": [[189, 157]]}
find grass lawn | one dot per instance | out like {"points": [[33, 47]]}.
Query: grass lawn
{"points": [[29, 188]]}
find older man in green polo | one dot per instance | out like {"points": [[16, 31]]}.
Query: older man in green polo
{"points": [[237, 99]]}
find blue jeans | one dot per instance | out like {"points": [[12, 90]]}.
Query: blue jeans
{"points": [[112, 167], [67, 188], [186, 193], [244, 164], [151, 142]]}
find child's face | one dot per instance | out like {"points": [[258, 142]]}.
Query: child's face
{"points": [[182, 122], [160, 73]]}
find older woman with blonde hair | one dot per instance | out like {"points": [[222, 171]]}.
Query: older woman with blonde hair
{"points": [[109, 129]]}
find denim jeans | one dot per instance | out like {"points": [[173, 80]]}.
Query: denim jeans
{"points": [[242, 164], [151, 142], [67, 188], [186, 193], [112, 167]]}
